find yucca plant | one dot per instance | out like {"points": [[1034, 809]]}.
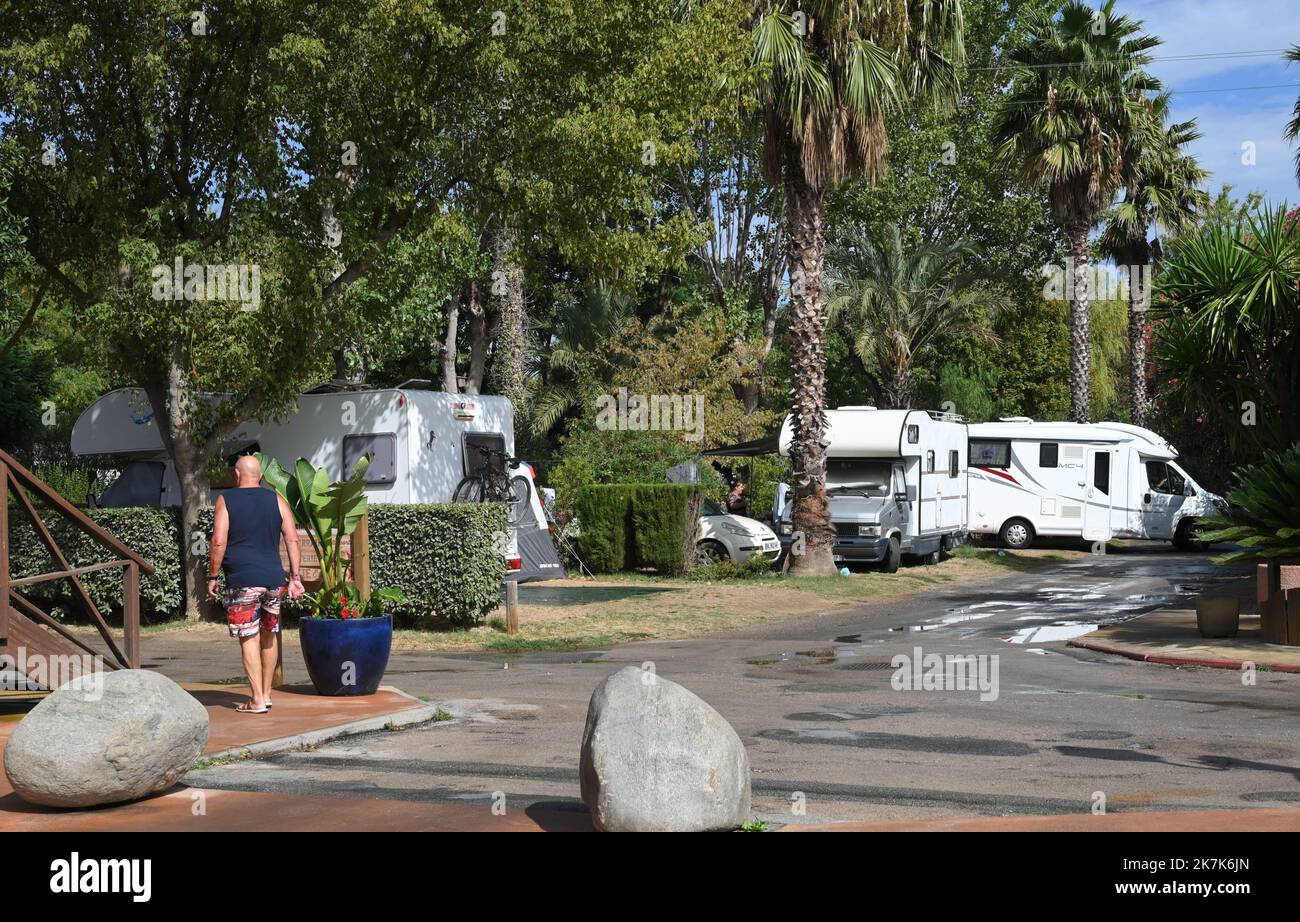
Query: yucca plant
{"points": [[1264, 511]]}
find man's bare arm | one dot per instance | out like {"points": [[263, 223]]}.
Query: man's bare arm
{"points": [[289, 531], [220, 534]]}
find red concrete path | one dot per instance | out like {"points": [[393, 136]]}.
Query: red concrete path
{"points": [[1269, 819]]}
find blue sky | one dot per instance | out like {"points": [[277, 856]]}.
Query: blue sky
{"points": [[1230, 119]]}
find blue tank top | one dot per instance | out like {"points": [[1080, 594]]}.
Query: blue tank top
{"points": [[253, 542]]}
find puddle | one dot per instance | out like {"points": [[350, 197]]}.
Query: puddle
{"points": [[1051, 633]]}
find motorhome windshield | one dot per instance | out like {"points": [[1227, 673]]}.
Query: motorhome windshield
{"points": [[859, 475]]}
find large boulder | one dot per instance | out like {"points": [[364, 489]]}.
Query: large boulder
{"points": [[656, 758], [106, 738]]}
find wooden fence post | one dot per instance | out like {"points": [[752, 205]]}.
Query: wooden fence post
{"points": [[512, 607]]}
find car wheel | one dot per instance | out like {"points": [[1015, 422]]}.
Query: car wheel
{"points": [[707, 553], [893, 556], [1185, 537], [1016, 534]]}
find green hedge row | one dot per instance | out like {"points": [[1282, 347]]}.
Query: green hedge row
{"points": [[625, 526], [446, 559], [151, 533]]}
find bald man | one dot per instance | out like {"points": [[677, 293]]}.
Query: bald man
{"points": [[247, 528]]}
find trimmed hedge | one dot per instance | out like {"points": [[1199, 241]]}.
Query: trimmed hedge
{"points": [[639, 525], [151, 533], [446, 559]]}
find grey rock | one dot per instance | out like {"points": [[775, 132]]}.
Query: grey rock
{"points": [[657, 758], [136, 734]]}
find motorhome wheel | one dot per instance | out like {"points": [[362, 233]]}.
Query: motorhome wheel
{"points": [[893, 556], [1017, 534]]}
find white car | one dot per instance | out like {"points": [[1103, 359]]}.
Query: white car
{"points": [[724, 536]]}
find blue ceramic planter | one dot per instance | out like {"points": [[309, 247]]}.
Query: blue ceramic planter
{"points": [[346, 656]]}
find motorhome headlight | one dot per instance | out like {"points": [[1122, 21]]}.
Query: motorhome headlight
{"points": [[868, 531]]}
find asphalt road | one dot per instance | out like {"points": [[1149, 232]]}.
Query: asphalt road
{"points": [[828, 733]]}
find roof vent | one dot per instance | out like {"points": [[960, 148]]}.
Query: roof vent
{"points": [[1014, 419], [856, 408]]}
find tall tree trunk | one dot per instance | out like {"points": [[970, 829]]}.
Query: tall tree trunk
{"points": [[1080, 304], [175, 422], [896, 389], [1139, 299], [810, 515], [477, 341], [447, 351], [508, 286]]}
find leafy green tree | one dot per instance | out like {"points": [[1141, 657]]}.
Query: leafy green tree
{"points": [[829, 73], [1078, 92]]}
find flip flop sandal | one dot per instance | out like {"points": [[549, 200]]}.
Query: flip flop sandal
{"points": [[249, 708]]}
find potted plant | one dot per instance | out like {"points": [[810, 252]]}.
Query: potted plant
{"points": [[346, 636], [1263, 519]]}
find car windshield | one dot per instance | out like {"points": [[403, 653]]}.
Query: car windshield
{"points": [[709, 507], [858, 475]]}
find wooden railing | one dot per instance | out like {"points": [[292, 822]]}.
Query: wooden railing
{"points": [[21, 621]]}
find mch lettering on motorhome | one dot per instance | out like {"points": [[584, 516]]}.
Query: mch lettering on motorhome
{"points": [[1093, 481]]}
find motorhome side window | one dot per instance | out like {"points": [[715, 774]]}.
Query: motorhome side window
{"points": [[382, 449], [1101, 472], [929, 462], [1164, 479], [990, 453], [953, 463], [1048, 454]]}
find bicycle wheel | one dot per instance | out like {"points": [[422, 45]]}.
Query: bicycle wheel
{"points": [[469, 490], [518, 497]]}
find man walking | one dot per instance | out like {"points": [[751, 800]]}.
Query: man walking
{"points": [[247, 527]]}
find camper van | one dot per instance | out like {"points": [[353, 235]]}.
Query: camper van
{"points": [[421, 443], [896, 480], [1092, 481]]}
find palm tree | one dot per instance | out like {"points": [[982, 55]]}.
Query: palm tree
{"points": [[1293, 127], [829, 71], [1078, 92], [1162, 193], [894, 300]]}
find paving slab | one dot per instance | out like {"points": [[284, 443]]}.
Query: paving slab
{"points": [[1169, 637]]}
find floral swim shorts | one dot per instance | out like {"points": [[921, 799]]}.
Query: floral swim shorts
{"points": [[252, 609]]}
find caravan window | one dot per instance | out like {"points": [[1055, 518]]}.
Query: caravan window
{"points": [[953, 463], [990, 453], [1101, 472], [382, 449], [929, 462], [858, 474], [1048, 454], [1164, 479]]}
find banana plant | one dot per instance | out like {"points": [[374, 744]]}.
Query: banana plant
{"points": [[326, 511]]}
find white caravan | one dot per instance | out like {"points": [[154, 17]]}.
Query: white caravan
{"points": [[421, 442], [1092, 481], [896, 480]]}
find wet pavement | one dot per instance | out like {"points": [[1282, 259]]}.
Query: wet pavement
{"points": [[834, 733]]}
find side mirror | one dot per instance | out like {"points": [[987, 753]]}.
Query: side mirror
{"points": [[900, 498]]}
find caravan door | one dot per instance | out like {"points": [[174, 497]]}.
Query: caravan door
{"points": [[1097, 495]]}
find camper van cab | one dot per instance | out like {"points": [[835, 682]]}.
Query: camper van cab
{"points": [[896, 480], [1092, 481]]}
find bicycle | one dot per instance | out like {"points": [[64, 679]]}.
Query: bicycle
{"points": [[492, 484]]}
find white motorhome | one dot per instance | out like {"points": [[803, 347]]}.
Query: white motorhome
{"points": [[896, 480], [421, 443], [1092, 481]]}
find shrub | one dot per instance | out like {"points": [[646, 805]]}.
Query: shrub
{"points": [[629, 525], [445, 558], [1264, 515], [665, 519], [604, 521], [152, 533]]}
